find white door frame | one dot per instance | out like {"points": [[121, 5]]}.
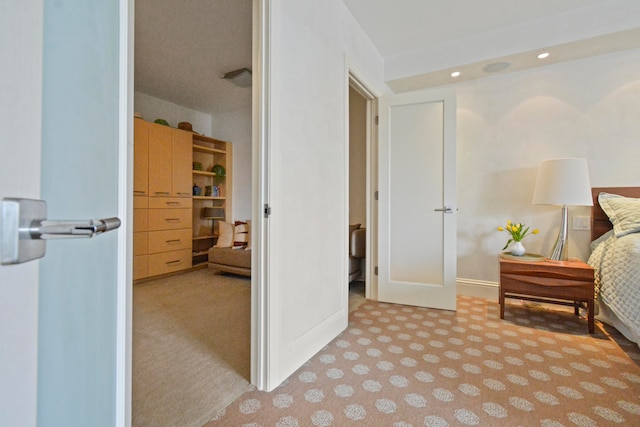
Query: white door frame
{"points": [[355, 79], [260, 198]]}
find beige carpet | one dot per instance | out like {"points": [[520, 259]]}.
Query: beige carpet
{"points": [[405, 366], [191, 347]]}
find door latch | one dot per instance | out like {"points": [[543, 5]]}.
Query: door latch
{"points": [[25, 229], [446, 209]]}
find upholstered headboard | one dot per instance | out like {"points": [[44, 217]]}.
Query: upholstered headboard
{"points": [[600, 223]]}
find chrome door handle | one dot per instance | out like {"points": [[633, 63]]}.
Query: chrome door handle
{"points": [[446, 209], [68, 229], [25, 229]]}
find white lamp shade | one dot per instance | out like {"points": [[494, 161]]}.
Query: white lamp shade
{"points": [[563, 182]]}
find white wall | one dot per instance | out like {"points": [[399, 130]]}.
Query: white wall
{"points": [[153, 108], [235, 127], [508, 124]]}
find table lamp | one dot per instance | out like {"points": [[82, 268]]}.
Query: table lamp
{"points": [[563, 182]]}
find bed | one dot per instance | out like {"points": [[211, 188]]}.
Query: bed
{"points": [[615, 257]]}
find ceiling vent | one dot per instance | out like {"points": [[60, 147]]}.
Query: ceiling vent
{"points": [[240, 78], [496, 67]]}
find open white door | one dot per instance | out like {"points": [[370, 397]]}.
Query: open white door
{"points": [[417, 200], [64, 115]]}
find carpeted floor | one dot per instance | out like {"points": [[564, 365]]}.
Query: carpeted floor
{"points": [[191, 347], [407, 366]]}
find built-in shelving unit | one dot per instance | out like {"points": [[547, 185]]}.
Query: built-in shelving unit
{"points": [[209, 152]]}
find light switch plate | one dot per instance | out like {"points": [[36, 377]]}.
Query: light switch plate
{"points": [[581, 222]]}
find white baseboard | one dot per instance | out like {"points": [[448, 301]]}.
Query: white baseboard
{"points": [[478, 288]]}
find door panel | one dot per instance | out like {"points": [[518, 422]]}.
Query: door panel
{"points": [[160, 152], [141, 158], [182, 156], [82, 281], [417, 180]]}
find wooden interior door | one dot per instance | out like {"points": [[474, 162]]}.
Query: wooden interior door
{"points": [[417, 204]]}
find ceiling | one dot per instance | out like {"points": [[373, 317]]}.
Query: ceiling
{"points": [[182, 49]]}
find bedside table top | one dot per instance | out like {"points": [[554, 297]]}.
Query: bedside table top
{"points": [[575, 268]]}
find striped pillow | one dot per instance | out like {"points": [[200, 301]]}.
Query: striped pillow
{"points": [[240, 235]]}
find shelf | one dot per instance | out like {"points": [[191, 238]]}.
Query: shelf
{"points": [[205, 173], [200, 253], [208, 198], [209, 150], [204, 237]]}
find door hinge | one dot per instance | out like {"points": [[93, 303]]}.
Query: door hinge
{"points": [[377, 120], [267, 210], [376, 195], [375, 270]]}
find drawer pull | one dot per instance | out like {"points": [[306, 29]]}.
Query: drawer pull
{"points": [[162, 192], [173, 262], [172, 241], [139, 192], [173, 203], [172, 219]]}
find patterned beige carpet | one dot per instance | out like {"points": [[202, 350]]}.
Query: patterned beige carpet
{"points": [[191, 347], [406, 366]]}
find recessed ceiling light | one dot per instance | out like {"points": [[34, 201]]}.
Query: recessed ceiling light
{"points": [[455, 74], [495, 67], [543, 55]]}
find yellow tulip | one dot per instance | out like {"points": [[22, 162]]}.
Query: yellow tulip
{"points": [[536, 231], [500, 229]]}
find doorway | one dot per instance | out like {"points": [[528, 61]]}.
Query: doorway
{"points": [[192, 330], [362, 132]]}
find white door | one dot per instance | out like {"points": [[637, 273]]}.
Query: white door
{"points": [[63, 335], [417, 200]]}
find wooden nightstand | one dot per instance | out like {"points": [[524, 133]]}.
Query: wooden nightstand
{"points": [[557, 282]]}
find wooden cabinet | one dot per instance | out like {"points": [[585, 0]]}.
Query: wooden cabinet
{"points": [[140, 237], [162, 225], [169, 161], [208, 152], [141, 158]]}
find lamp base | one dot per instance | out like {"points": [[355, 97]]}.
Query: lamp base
{"points": [[561, 248]]}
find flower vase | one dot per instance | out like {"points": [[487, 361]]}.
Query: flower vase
{"points": [[517, 249]]}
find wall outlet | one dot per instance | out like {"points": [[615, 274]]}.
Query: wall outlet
{"points": [[582, 222]]}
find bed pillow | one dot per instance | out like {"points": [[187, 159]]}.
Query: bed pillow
{"points": [[225, 239], [623, 212]]}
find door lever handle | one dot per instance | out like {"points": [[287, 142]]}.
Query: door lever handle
{"points": [[25, 229], [68, 229]]}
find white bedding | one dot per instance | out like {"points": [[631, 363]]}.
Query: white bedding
{"points": [[616, 261]]}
